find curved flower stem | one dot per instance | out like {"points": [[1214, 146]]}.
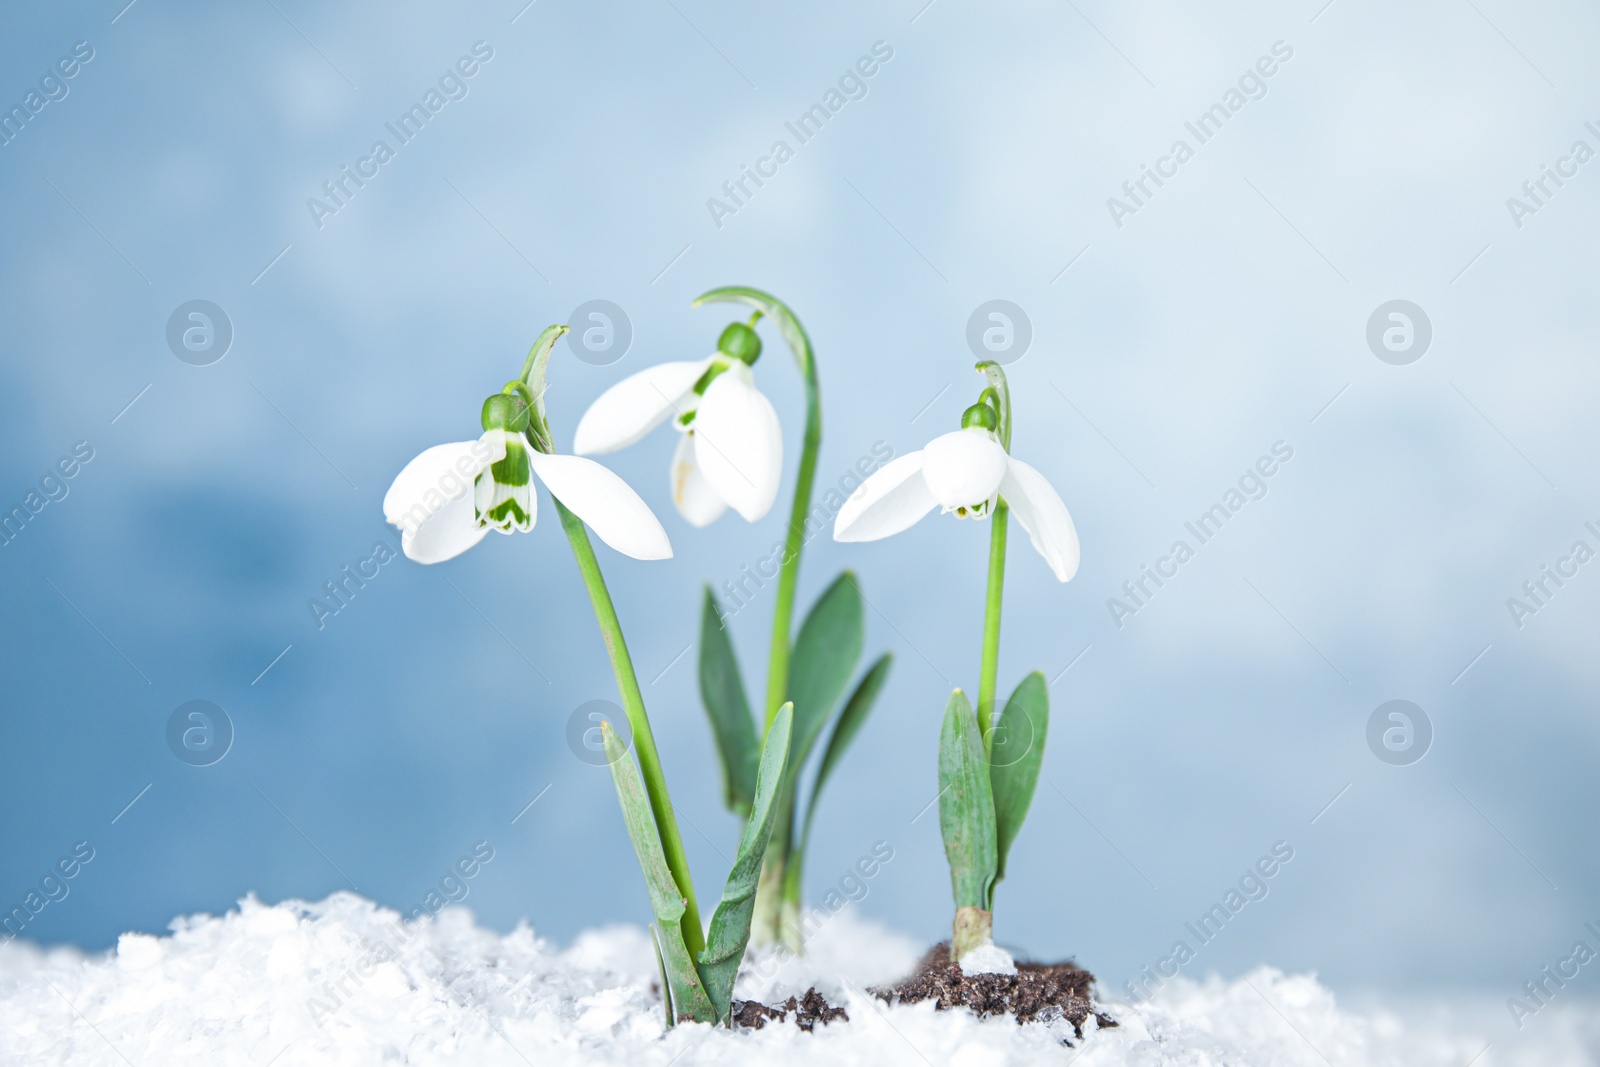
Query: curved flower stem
{"points": [[789, 574], [997, 394], [782, 894], [644, 742], [776, 894], [990, 670], [532, 385]]}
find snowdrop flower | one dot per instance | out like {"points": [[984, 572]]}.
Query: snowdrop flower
{"points": [[731, 451], [963, 472], [449, 497]]}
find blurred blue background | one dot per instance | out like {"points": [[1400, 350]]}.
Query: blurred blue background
{"points": [[1227, 313]]}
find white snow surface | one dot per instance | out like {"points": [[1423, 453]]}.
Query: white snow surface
{"points": [[342, 982], [988, 958]]}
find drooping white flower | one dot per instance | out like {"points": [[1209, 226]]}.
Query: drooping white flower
{"points": [[731, 452], [449, 497], [962, 472]]}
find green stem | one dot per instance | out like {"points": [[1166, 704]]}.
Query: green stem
{"points": [[990, 671], [774, 888], [765, 304], [780, 857], [997, 394], [789, 573], [644, 742]]}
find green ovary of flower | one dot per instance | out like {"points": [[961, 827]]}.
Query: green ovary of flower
{"points": [[740, 342]]}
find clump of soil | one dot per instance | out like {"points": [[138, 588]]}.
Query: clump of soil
{"points": [[1037, 992], [808, 1011]]}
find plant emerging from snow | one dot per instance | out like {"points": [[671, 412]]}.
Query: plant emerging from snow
{"points": [[988, 766], [450, 496], [441, 517], [730, 453]]}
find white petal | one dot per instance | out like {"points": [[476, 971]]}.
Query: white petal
{"points": [[696, 500], [636, 405], [1039, 509], [439, 474], [604, 501], [431, 502], [964, 468], [446, 535], [893, 499], [739, 444]]}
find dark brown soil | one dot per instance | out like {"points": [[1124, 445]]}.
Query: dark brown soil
{"points": [[808, 1011], [1038, 991]]}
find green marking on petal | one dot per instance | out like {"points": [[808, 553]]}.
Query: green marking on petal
{"points": [[514, 470], [708, 377], [503, 493], [505, 514]]}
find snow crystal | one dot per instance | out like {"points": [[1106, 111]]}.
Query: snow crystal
{"points": [[988, 958], [346, 982]]}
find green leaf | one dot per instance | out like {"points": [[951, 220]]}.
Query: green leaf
{"points": [[966, 805], [1002, 392], [730, 925], [666, 900], [825, 656], [844, 731], [1015, 753], [722, 692], [661, 968], [533, 371]]}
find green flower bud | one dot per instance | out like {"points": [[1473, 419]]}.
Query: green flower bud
{"points": [[504, 411], [740, 342], [980, 415]]}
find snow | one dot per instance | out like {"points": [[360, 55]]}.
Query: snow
{"points": [[344, 981], [988, 958]]}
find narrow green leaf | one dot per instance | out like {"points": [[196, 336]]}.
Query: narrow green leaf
{"points": [[661, 968], [730, 925], [722, 692], [966, 805], [844, 731], [825, 656], [533, 372], [1016, 751], [689, 1000], [666, 900]]}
